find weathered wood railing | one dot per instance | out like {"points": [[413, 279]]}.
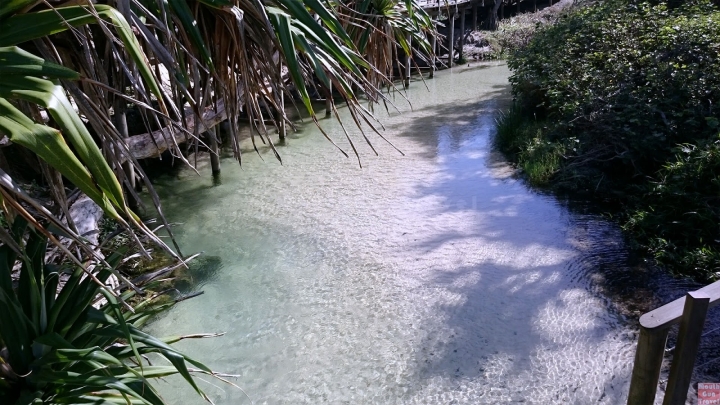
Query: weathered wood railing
{"points": [[440, 3], [690, 312]]}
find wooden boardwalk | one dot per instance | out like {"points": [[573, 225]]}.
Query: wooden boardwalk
{"points": [[454, 5], [427, 4], [458, 10]]}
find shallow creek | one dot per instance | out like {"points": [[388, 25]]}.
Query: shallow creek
{"points": [[437, 277]]}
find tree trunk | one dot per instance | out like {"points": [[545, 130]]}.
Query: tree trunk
{"points": [[491, 22]]}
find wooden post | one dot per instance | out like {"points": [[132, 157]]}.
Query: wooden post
{"points": [[451, 47], [328, 101], [462, 33], [502, 10], [646, 371], [408, 59], [474, 16], [122, 127], [120, 122], [551, 3], [281, 119], [434, 52], [389, 51], [214, 152], [654, 327], [281, 112], [534, 5], [691, 327]]}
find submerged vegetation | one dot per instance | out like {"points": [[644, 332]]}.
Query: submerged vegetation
{"points": [[618, 100]]}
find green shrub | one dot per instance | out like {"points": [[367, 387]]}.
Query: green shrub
{"points": [[633, 80], [616, 87], [516, 32], [677, 218]]}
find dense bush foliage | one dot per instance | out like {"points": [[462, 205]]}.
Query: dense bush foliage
{"points": [[619, 99], [512, 33], [516, 32]]}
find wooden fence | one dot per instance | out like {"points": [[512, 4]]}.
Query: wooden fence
{"points": [[690, 312], [440, 3]]}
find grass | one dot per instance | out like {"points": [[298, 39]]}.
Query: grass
{"points": [[524, 138]]}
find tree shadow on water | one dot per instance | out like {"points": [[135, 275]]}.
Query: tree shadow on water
{"points": [[512, 274], [539, 300], [528, 332]]}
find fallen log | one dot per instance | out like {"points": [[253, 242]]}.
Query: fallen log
{"points": [[152, 144]]}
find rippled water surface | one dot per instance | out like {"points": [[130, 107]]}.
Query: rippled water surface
{"points": [[435, 277]]}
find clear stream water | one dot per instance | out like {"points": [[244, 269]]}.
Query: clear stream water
{"points": [[436, 277]]}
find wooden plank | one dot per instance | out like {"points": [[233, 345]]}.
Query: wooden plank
{"points": [[691, 327], [646, 370], [669, 314]]}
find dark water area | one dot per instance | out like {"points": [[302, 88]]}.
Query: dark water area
{"points": [[433, 277]]}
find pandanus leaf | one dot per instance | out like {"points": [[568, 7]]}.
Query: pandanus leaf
{"points": [[15, 61], [91, 354], [15, 331], [159, 346], [52, 96], [329, 20], [8, 7], [281, 22], [30, 284], [50, 146], [304, 21], [20, 28], [189, 24]]}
